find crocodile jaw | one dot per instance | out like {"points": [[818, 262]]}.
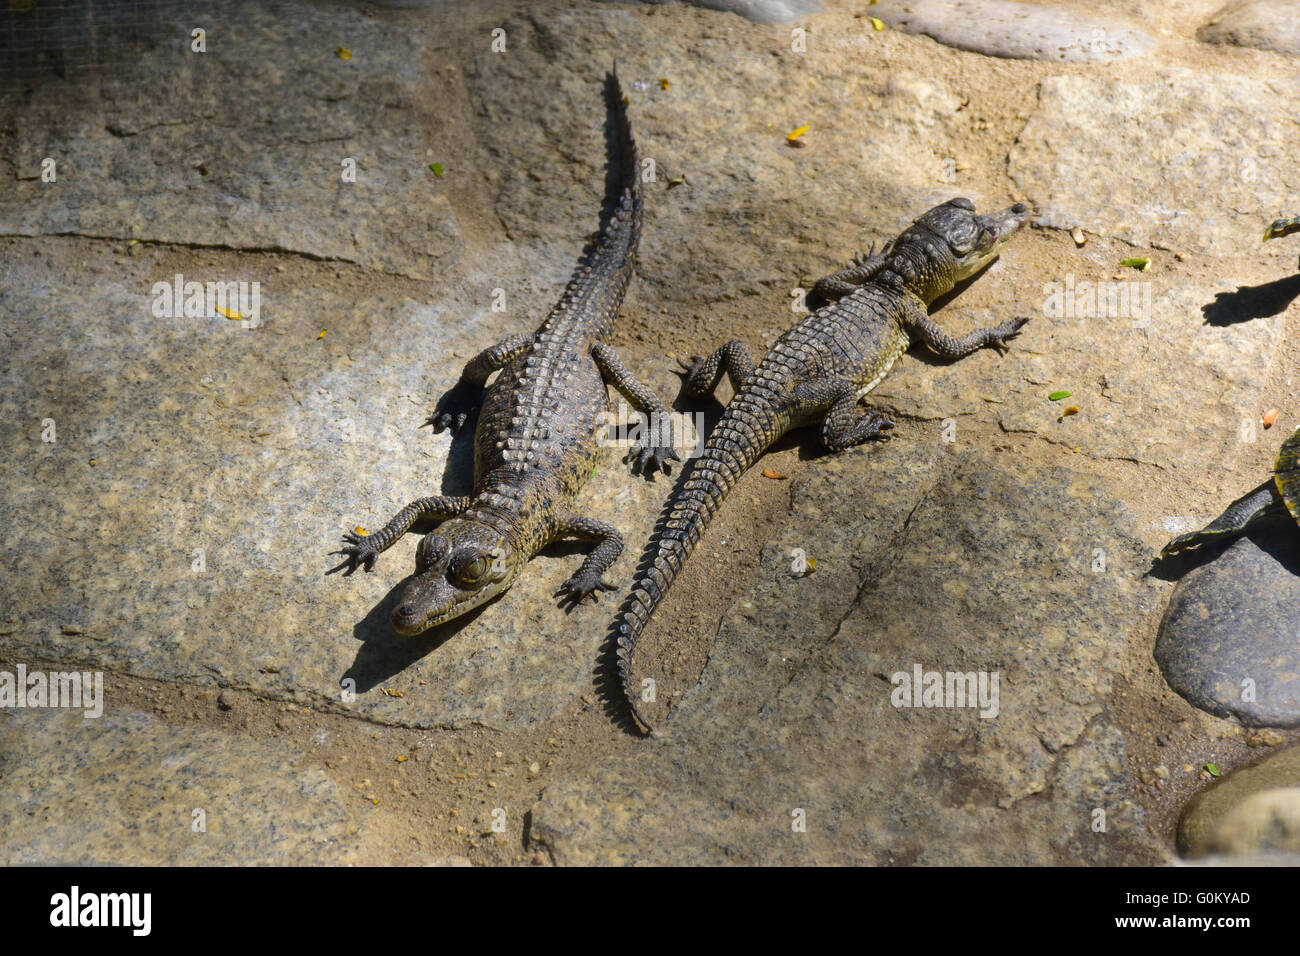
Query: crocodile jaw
{"points": [[999, 228], [430, 599]]}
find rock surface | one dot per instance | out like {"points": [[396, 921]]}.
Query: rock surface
{"points": [[1215, 150], [953, 564], [1018, 31], [1252, 810], [123, 789], [247, 150], [1228, 641], [1265, 24]]}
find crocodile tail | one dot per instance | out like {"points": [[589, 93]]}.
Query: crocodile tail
{"points": [[622, 234], [744, 432]]}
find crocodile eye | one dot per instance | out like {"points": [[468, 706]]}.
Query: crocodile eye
{"points": [[471, 569]]}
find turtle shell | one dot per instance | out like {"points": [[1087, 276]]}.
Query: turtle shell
{"points": [[1286, 473]]}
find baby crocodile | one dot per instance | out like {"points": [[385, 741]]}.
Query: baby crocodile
{"points": [[816, 373], [537, 438]]}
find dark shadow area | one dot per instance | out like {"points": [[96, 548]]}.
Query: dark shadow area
{"points": [[82, 40], [458, 477], [384, 653], [1252, 302]]}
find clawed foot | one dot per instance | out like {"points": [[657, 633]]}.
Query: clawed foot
{"points": [[454, 409], [578, 588], [864, 257], [875, 425], [359, 552], [1007, 330], [652, 453]]}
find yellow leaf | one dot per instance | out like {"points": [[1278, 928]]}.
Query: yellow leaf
{"points": [[229, 313], [795, 134], [878, 24], [343, 54], [663, 83], [321, 336]]}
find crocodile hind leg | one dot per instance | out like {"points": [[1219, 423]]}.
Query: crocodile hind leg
{"points": [[454, 408], [842, 425], [654, 449], [362, 550], [1263, 500], [588, 581], [704, 374]]}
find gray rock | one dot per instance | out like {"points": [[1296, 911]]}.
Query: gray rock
{"points": [[124, 789], [1189, 161], [1253, 810], [949, 562], [1228, 641], [1265, 24], [1015, 30], [246, 150], [759, 11]]}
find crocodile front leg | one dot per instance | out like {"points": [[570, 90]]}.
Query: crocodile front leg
{"points": [[362, 550], [588, 582], [703, 374], [653, 451], [842, 427], [920, 326], [454, 408], [837, 285]]}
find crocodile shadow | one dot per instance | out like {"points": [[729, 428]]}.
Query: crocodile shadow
{"points": [[1252, 302]]}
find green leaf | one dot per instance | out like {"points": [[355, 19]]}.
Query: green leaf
{"points": [[437, 169], [1213, 770], [1137, 262], [1057, 396]]}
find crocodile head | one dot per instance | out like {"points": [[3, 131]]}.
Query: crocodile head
{"points": [[951, 242], [458, 567]]}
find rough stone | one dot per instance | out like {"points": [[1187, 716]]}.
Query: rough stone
{"points": [[1184, 160], [1265, 24], [1235, 619], [123, 789], [1254, 809], [1015, 30], [247, 149]]}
